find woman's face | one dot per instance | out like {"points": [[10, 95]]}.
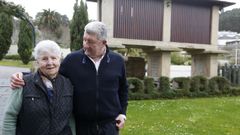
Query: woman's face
{"points": [[48, 64]]}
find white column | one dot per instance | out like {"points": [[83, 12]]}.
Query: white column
{"points": [[214, 25], [167, 20]]}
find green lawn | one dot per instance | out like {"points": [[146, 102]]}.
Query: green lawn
{"points": [[15, 63], [202, 116]]}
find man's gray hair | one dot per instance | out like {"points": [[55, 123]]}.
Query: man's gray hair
{"points": [[46, 46], [98, 28]]}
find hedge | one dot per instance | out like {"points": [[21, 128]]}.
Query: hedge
{"points": [[197, 86]]}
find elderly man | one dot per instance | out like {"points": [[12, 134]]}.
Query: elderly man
{"points": [[99, 80]]}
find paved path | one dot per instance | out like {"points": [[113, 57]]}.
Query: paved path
{"points": [[5, 73]]}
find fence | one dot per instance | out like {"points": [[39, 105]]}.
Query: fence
{"points": [[230, 72]]}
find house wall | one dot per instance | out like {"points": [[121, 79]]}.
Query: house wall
{"points": [[191, 22], [202, 44], [108, 18], [138, 19]]}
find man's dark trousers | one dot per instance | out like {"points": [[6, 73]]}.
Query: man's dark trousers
{"points": [[97, 129]]}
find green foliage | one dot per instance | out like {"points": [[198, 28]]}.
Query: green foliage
{"points": [[12, 57], [50, 21], [164, 84], [181, 83], [179, 59], [229, 20], [149, 86], [235, 91], [79, 20], [218, 85], [198, 84], [182, 93], [135, 52], [135, 85], [6, 30], [25, 42], [12, 9]]}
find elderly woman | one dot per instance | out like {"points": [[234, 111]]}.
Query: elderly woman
{"points": [[44, 105]]}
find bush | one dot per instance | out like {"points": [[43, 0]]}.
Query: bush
{"points": [[149, 86], [164, 84], [135, 85], [181, 83], [181, 93], [168, 94], [198, 84], [218, 85], [12, 57], [25, 42], [235, 91], [6, 30], [178, 59], [15, 57]]}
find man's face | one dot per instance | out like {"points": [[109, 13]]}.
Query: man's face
{"points": [[92, 45], [49, 64]]}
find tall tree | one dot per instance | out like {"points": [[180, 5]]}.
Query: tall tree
{"points": [[25, 42], [6, 30], [229, 20], [50, 21], [79, 20]]}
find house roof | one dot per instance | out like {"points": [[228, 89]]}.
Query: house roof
{"points": [[221, 3]]}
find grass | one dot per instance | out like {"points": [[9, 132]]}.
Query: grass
{"points": [[202, 116], [15, 63]]}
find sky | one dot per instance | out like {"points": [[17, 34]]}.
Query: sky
{"points": [[65, 7]]}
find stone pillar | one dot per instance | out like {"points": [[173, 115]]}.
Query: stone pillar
{"points": [[167, 20], [214, 25], [204, 64], [158, 64]]}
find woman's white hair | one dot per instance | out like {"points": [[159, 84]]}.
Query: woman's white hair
{"points": [[98, 28], [46, 46]]}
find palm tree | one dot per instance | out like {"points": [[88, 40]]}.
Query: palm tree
{"points": [[49, 20]]}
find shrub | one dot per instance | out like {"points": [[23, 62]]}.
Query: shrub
{"points": [[199, 84], [168, 94], [25, 42], [12, 57], [15, 57], [6, 30], [178, 59], [235, 91], [218, 85], [149, 86], [181, 92], [135, 85], [164, 84], [181, 83]]}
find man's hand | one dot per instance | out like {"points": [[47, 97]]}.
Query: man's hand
{"points": [[120, 121], [17, 80]]}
